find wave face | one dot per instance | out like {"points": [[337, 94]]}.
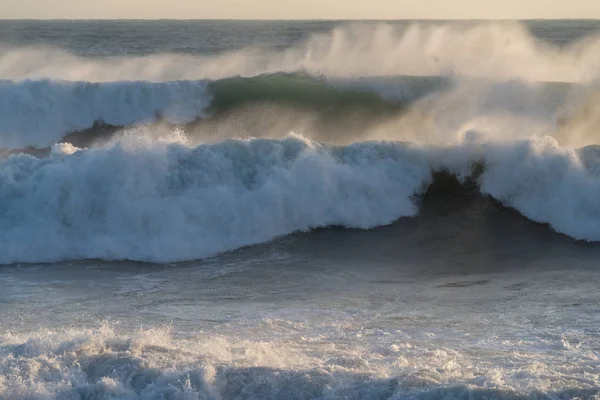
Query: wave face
{"points": [[546, 183], [319, 95], [40, 113]]}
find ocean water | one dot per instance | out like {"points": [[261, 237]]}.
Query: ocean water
{"points": [[299, 210]]}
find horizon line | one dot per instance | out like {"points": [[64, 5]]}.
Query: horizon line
{"points": [[302, 19]]}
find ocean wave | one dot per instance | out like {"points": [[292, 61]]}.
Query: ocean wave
{"points": [[167, 201], [40, 113], [320, 94], [547, 184]]}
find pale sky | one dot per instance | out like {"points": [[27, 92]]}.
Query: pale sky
{"points": [[299, 9]]}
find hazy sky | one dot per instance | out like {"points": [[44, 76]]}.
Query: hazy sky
{"points": [[300, 9]]}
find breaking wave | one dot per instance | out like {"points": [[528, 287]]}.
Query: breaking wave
{"points": [[166, 201], [40, 113], [169, 202]]}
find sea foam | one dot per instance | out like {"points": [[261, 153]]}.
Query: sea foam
{"points": [[361, 362]]}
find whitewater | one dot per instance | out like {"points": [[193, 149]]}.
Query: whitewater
{"points": [[169, 202], [299, 210]]}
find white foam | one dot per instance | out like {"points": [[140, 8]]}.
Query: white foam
{"points": [[547, 184], [357, 362], [158, 201], [40, 113]]}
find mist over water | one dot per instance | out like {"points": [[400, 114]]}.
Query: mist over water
{"points": [[495, 50], [299, 210]]}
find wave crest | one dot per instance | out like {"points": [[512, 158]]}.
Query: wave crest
{"points": [[164, 201]]}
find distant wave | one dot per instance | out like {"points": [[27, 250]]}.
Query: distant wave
{"points": [[164, 201], [40, 113]]}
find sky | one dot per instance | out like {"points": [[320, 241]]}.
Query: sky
{"points": [[298, 9]]}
